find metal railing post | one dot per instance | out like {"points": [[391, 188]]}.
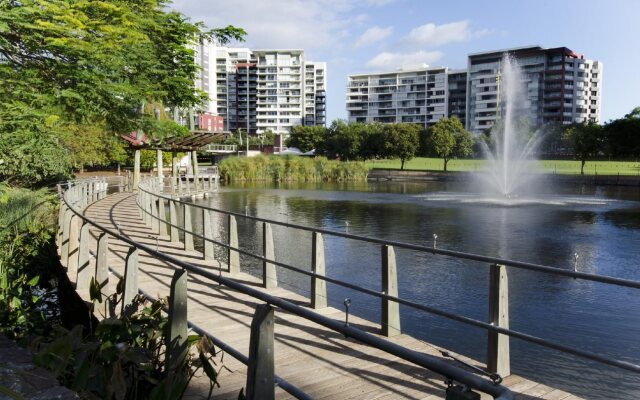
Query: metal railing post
{"points": [[318, 285], [207, 232], [232, 240], [188, 228], [84, 276], [174, 233], [130, 277], [177, 340], [390, 309], [498, 358], [102, 270], [269, 276], [261, 370]]}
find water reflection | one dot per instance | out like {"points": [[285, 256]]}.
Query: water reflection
{"points": [[604, 232]]}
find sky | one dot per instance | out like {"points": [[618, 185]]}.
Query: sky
{"points": [[361, 36]]}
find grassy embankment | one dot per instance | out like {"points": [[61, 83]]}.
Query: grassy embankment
{"points": [[568, 167], [291, 169]]}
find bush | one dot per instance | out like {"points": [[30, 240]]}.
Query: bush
{"points": [[291, 169]]}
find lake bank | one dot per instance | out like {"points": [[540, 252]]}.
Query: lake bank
{"points": [[383, 174]]}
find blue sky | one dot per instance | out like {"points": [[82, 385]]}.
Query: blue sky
{"points": [[359, 36]]}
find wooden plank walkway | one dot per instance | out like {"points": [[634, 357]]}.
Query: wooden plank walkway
{"points": [[321, 362]]}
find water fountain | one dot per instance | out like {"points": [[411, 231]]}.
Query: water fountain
{"points": [[509, 160], [511, 178]]}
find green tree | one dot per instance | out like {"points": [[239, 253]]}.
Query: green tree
{"points": [[82, 62], [343, 140], [585, 140], [306, 138], [402, 141], [622, 135], [448, 139], [373, 141]]}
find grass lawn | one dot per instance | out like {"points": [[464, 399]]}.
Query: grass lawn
{"points": [[568, 167]]}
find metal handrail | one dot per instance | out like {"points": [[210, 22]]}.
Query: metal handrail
{"points": [[429, 362], [408, 246], [432, 310]]}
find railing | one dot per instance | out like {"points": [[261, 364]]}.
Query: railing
{"points": [[498, 358], [73, 243], [221, 148]]}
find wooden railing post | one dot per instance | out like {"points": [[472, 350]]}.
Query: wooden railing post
{"points": [[207, 232], [102, 270], [390, 309], [261, 370], [269, 276], [64, 248], [163, 228], [232, 240], [173, 218], [498, 360], [318, 285], [177, 340], [83, 277], [61, 215], [145, 206], [130, 277], [91, 191], [74, 241], [188, 228], [155, 214]]}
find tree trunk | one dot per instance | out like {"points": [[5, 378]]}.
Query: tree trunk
{"points": [[446, 160], [401, 164], [582, 167]]}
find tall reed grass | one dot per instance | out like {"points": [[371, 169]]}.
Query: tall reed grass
{"points": [[291, 169]]}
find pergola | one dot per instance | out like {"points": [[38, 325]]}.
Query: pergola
{"points": [[190, 144]]}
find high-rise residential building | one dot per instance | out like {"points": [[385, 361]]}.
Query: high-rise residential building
{"points": [[561, 86], [259, 90], [413, 95]]}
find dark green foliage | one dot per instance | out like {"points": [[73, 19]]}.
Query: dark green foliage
{"points": [[585, 141], [27, 254], [306, 138], [622, 136], [124, 358]]}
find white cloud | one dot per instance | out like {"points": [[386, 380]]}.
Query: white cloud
{"points": [[388, 60], [380, 3], [300, 24], [437, 35], [373, 35]]}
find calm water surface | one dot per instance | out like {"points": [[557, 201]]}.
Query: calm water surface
{"points": [[602, 226]]}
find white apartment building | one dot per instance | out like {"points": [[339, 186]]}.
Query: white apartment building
{"points": [[260, 90], [413, 95], [561, 86]]}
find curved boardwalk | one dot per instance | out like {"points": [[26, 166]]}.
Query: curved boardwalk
{"points": [[321, 362]]}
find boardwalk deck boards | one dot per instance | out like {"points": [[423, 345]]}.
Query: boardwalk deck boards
{"points": [[321, 362]]}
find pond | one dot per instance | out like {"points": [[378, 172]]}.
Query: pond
{"points": [[599, 224]]}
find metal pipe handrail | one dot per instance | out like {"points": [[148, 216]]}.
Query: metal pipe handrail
{"points": [[408, 246], [455, 317], [429, 362]]}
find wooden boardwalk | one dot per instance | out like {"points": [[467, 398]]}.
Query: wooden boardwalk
{"points": [[319, 361]]}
